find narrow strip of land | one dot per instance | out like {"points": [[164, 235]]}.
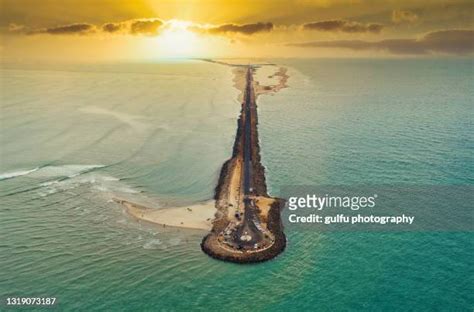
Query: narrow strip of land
{"points": [[248, 226]]}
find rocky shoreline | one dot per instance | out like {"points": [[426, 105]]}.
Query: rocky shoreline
{"points": [[210, 244]]}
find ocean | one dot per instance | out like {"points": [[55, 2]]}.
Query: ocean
{"points": [[73, 136]]}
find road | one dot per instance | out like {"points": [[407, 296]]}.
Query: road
{"points": [[250, 225]]}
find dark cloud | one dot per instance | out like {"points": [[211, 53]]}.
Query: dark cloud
{"points": [[113, 27], [442, 41], [145, 27], [134, 27], [78, 28], [344, 26], [246, 29], [149, 27]]}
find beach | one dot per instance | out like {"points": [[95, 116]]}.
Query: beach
{"points": [[198, 216]]}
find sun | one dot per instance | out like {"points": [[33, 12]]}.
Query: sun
{"points": [[177, 41]]}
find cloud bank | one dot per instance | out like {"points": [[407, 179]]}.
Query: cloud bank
{"points": [[246, 29], [133, 27], [150, 27], [443, 41], [77, 28], [344, 26]]}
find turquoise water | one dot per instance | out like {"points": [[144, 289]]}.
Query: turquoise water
{"points": [[74, 136]]}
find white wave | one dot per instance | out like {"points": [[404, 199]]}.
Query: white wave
{"points": [[69, 171], [75, 176], [64, 178], [115, 189], [14, 174]]}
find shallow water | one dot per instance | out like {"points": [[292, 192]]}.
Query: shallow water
{"points": [[74, 136]]}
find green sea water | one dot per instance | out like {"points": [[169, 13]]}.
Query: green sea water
{"points": [[74, 136]]}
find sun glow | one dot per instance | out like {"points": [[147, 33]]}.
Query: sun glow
{"points": [[177, 41]]}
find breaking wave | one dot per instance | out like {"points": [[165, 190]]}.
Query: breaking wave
{"points": [[14, 174], [56, 179]]}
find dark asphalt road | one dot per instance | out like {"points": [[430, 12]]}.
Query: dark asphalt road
{"points": [[250, 214]]}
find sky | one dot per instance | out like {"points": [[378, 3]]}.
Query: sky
{"points": [[97, 30]]}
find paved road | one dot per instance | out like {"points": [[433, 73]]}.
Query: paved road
{"points": [[251, 220], [247, 135]]}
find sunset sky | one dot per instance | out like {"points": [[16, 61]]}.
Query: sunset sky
{"points": [[95, 30]]}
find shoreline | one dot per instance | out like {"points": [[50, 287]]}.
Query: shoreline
{"points": [[197, 217]]}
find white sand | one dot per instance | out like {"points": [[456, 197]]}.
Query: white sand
{"points": [[197, 216]]}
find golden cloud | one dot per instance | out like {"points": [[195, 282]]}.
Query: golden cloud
{"points": [[343, 26]]}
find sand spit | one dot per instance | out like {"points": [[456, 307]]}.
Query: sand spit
{"points": [[239, 81], [282, 76], [198, 216]]}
